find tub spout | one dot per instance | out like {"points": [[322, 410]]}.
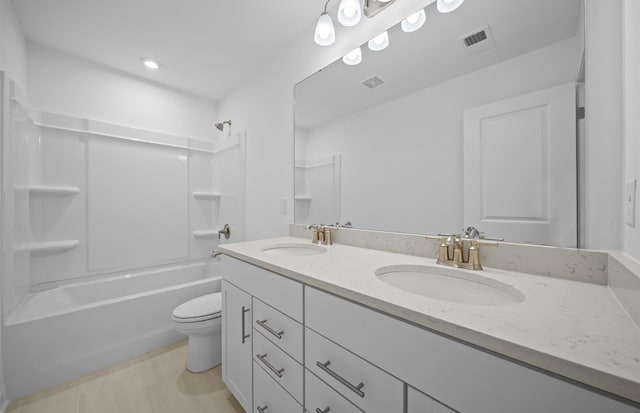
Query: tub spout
{"points": [[215, 253]]}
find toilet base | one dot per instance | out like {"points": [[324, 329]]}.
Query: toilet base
{"points": [[203, 352]]}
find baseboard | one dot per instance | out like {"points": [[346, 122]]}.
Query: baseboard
{"points": [[4, 403]]}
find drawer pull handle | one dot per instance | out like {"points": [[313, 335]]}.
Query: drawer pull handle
{"points": [[244, 336], [322, 411], [356, 389], [262, 409], [263, 359], [263, 324]]}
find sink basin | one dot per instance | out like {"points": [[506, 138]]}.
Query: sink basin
{"points": [[294, 250], [449, 284]]}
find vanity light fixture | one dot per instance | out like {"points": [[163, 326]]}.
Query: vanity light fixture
{"points": [[349, 12], [150, 64], [414, 21], [373, 7], [380, 42], [325, 32], [353, 57], [447, 6]]}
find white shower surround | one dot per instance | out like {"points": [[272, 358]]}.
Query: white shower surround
{"points": [[57, 335], [107, 229]]}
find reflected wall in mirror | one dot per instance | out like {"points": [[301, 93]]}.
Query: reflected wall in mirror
{"points": [[453, 135]]}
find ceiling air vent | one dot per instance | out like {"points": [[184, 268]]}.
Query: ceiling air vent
{"points": [[479, 41], [475, 38], [373, 82]]}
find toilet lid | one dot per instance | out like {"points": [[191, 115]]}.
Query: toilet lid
{"points": [[199, 307]]}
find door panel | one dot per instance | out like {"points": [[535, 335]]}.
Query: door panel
{"points": [[520, 168]]}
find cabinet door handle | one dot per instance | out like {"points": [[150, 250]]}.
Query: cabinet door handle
{"points": [[356, 389], [244, 336], [263, 359], [263, 324], [262, 409], [322, 411]]}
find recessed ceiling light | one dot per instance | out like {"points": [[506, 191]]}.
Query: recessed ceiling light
{"points": [[151, 64]]}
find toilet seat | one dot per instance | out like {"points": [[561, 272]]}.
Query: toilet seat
{"points": [[202, 308]]}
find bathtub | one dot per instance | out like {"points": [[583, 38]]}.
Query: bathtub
{"points": [[56, 335]]}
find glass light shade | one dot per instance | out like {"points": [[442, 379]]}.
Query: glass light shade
{"points": [[414, 22], [325, 32], [349, 12], [447, 6], [353, 57], [380, 42]]}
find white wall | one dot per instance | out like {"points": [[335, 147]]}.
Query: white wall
{"points": [[603, 122], [13, 61], [417, 140], [64, 84], [263, 106], [13, 49], [631, 89]]}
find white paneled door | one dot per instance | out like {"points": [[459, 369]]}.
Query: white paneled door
{"points": [[520, 176]]}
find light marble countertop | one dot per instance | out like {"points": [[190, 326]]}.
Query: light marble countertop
{"points": [[575, 329]]}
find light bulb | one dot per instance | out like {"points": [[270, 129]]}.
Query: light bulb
{"points": [[325, 32], [447, 6], [353, 57], [349, 12], [380, 42], [414, 22], [151, 64]]}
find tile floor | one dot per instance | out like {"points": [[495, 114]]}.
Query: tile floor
{"points": [[155, 382]]}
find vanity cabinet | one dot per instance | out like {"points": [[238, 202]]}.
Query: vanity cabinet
{"points": [[309, 349], [458, 375], [236, 343], [271, 358]]}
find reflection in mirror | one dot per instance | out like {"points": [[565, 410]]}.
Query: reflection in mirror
{"points": [[433, 135]]}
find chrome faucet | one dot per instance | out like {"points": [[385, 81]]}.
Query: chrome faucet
{"points": [[463, 251]]}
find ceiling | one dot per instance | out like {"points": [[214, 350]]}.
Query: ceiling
{"points": [[434, 54], [204, 46]]}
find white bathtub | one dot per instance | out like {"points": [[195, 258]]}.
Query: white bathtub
{"points": [[56, 335]]}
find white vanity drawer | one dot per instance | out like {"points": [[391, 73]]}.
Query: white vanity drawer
{"points": [[418, 402], [279, 365], [319, 396], [276, 290], [370, 388], [269, 397], [281, 330]]}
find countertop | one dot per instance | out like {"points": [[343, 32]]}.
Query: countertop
{"points": [[575, 329]]}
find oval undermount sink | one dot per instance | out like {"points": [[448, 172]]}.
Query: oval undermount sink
{"points": [[294, 250], [449, 284]]}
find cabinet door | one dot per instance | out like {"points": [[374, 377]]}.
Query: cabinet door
{"points": [[418, 402], [236, 343]]}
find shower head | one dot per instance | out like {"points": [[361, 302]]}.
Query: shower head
{"points": [[220, 125]]}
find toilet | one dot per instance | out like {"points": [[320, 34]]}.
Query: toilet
{"points": [[200, 319]]}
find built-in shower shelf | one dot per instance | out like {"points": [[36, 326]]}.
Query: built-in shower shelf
{"points": [[206, 195], [54, 190], [52, 247], [205, 233], [303, 197]]}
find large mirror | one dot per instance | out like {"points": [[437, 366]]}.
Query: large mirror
{"points": [[468, 121]]}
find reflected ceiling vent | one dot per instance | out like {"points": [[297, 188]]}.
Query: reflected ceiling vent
{"points": [[479, 41], [373, 82]]}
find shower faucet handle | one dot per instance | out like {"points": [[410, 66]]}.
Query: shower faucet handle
{"points": [[226, 231]]}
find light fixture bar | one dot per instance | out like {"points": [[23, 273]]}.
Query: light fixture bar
{"points": [[373, 7]]}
